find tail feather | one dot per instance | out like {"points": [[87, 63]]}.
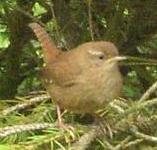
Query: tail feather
{"points": [[50, 51]]}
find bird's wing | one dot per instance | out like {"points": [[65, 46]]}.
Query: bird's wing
{"points": [[62, 73]]}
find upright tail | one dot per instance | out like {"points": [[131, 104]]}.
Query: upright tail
{"points": [[50, 51]]}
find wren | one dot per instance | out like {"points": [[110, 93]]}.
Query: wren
{"points": [[83, 79]]}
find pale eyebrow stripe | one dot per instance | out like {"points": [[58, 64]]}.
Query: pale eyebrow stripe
{"points": [[98, 53]]}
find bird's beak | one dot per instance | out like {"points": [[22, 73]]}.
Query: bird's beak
{"points": [[116, 59]]}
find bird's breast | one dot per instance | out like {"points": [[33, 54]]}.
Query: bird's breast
{"points": [[92, 92]]}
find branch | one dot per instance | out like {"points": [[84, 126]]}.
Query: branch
{"points": [[87, 138], [25, 105], [143, 136], [21, 128]]}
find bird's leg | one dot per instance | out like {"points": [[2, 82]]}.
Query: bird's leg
{"points": [[59, 117], [60, 122]]}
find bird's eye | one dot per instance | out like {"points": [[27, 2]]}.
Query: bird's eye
{"points": [[101, 56], [98, 54]]}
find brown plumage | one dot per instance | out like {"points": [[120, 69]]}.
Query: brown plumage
{"points": [[82, 79]]}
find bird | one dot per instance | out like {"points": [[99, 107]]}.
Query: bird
{"points": [[82, 80]]}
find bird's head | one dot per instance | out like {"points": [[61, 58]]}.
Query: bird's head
{"points": [[98, 54]]}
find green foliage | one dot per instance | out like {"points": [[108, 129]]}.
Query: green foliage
{"points": [[4, 37], [5, 147], [38, 10]]}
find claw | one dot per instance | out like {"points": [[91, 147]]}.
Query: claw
{"points": [[60, 123]]}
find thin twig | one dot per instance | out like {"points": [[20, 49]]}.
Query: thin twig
{"points": [[137, 106], [138, 64], [56, 23], [132, 143], [29, 15], [147, 94], [90, 21], [121, 145]]}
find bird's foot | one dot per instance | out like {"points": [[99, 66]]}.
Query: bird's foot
{"points": [[65, 127]]}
